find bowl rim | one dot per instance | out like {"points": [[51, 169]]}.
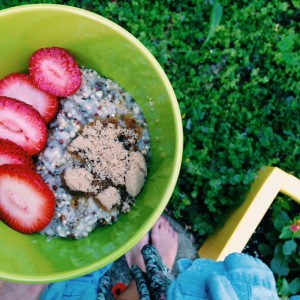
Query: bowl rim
{"points": [[178, 152]]}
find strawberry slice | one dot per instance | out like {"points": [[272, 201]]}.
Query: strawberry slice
{"points": [[26, 202], [55, 71], [22, 124], [11, 153], [21, 87]]}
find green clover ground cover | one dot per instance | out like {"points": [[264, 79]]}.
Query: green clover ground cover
{"points": [[234, 66]]}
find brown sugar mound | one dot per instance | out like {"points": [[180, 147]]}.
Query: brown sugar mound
{"points": [[136, 175], [109, 197], [78, 179], [107, 163]]}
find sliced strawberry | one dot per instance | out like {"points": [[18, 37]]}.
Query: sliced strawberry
{"points": [[11, 153], [21, 87], [22, 124], [55, 71], [26, 202]]}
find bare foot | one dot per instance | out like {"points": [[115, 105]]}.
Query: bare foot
{"points": [[165, 240], [134, 256]]}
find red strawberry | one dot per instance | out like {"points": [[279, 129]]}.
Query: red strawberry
{"points": [[11, 153], [55, 71], [21, 87], [26, 202], [22, 124]]}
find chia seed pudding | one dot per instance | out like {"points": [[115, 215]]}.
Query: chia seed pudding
{"points": [[96, 157]]}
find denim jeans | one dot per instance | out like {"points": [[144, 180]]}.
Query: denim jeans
{"points": [[82, 288], [239, 276]]}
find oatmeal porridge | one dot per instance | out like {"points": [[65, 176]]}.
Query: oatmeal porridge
{"points": [[96, 157]]}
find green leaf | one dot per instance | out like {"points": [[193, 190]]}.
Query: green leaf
{"points": [[215, 19], [279, 265], [296, 3], [289, 247], [285, 288], [290, 58], [286, 233], [265, 249], [295, 286], [280, 220], [287, 43]]}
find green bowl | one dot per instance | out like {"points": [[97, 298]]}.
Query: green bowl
{"points": [[104, 46]]}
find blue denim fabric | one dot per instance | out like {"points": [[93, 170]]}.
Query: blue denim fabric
{"points": [[239, 276], [82, 288]]}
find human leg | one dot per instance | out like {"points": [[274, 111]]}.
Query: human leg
{"points": [[134, 257], [165, 240]]}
